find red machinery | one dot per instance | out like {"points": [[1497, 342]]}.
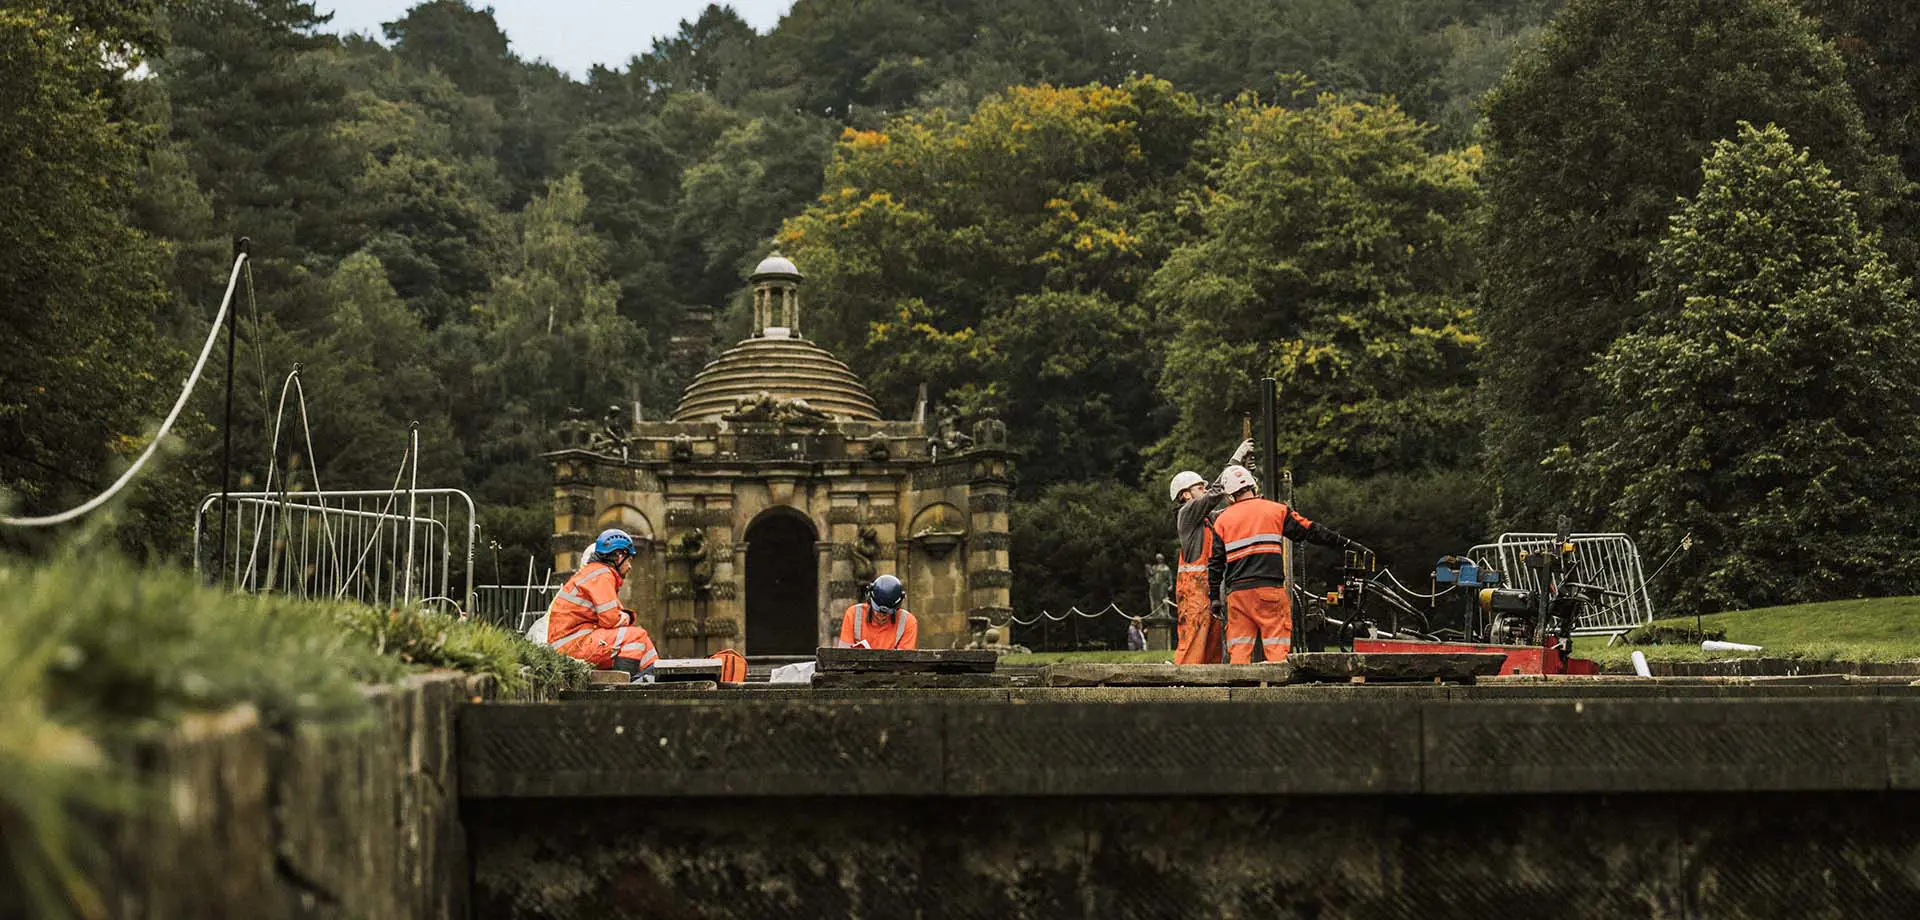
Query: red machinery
{"points": [[1371, 611]]}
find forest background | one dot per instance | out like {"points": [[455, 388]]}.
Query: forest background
{"points": [[1646, 263]]}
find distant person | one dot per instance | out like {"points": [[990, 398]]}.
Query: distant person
{"points": [[1255, 530], [882, 620], [585, 620], [1136, 635]]}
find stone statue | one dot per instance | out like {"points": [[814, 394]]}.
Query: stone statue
{"points": [[610, 438], [763, 407], [691, 549], [1159, 584], [756, 408], [947, 431], [866, 550], [682, 449], [796, 413], [879, 449]]}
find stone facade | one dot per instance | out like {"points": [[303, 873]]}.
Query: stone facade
{"points": [[778, 452]]}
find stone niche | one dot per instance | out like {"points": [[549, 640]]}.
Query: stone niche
{"points": [[777, 492]]}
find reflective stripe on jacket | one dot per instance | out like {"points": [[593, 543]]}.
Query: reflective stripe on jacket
{"points": [[589, 600], [853, 629], [1255, 531]]}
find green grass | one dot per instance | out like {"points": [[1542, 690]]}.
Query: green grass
{"points": [[1870, 629], [97, 654]]}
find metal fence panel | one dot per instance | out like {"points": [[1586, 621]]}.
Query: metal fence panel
{"points": [[514, 607], [357, 544], [1609, 560]]}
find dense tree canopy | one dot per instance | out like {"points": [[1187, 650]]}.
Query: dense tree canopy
{"points": [[1101, 220], [1592, 138], [1770, 405]]}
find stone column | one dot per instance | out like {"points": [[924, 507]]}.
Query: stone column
{"points": [[989, 497]]}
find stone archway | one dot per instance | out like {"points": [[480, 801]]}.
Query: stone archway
{"points": [[783, 584]]}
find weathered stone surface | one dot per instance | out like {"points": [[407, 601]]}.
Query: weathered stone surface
{"points": [[673, 669], [1324, 693], [1167, 748], [1168, 675], [1665, 745], [347, 821], [862, 680], [1360, 858], [1345, 666], [1763, 667], [609, 677], [635, 746], [1120, 694], [927, 661], [1903, 743]]}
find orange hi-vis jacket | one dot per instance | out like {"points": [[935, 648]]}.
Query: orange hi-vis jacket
{"points": [[854, 627], [1255, 531], [585, 621]]}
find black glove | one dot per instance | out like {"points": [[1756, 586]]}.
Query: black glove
{"points": [[1219, 610]]}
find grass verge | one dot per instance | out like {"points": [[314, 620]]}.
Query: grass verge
{"points": [[97, 653]]}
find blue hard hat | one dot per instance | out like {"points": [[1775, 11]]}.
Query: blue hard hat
{"points": [[888, 594], [612, 541]]}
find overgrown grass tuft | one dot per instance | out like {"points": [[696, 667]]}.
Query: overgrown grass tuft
{"points": [[96, 652], [1867, 629]]}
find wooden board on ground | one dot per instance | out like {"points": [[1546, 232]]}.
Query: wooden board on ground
{"points": [[1343, 667], [883, 680], [929, 661], [1168, 675]]}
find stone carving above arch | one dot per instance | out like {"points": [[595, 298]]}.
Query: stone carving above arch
{"points": [[627, 518], [937, 528]]}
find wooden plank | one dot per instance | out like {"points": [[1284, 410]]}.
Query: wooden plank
{"points": [[875, 680], [928, 661]]}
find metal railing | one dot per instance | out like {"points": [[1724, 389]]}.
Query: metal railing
{"points": [[1609, 560], [514, 607], [382, 547]]}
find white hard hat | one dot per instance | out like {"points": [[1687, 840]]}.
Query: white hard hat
{"points": [[1182, 481], [1235, 478]]}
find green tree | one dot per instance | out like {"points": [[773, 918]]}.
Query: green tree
{"points": [[83, 376], [1335, 257], [940, 245], [1770, 406], [1591, 139], [1880, 43], [1086, 545]]}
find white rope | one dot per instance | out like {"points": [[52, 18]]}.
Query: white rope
{"points": [[186, 393], [313, 470], [273, 466]]}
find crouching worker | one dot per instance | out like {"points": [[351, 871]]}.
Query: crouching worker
{"points": [[882, 621], [585, 620]]}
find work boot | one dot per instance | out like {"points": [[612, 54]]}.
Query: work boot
{"points": [[633, 671]]}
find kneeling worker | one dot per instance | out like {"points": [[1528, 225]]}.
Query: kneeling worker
{"points": [[1253, 529], [585, 620], [882, 621]]}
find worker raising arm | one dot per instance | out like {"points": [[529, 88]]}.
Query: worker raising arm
{"points": [[882, 621], [1203, 561], [1254, 530]]}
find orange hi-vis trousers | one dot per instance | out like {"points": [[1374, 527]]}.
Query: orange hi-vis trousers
{"points": [[1199, 631], [1263, 615]]}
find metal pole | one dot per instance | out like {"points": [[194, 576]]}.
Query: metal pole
{"points": [[1269, 440], [240, 247], [406, 594]]}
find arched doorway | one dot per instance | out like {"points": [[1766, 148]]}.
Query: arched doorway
{"points": [[783, 585]]}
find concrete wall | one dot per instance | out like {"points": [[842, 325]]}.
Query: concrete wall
{"points": [[1645, 799], [262, 822]]}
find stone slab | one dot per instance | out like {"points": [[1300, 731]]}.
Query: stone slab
{"points": [[1168, 675], [1488, 746], [874, 680], [927, 661], [1184, 748], [1406, 666], [1903, 743], [673, 669], [1120, 694], [609, 677], [1322, 693], [742, 747]]}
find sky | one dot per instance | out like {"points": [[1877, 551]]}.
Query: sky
{"points": [[572, 35]]}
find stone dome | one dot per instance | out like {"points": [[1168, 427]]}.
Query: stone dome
{"points": [[776, 266], [782, 367]]}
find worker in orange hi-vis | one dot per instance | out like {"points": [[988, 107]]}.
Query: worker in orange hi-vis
{"points": [[882, 621], [1202, 563], [1254, 530], [585, 620]]}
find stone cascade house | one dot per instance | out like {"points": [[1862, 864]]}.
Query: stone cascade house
{"points": [[777, 492]]}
